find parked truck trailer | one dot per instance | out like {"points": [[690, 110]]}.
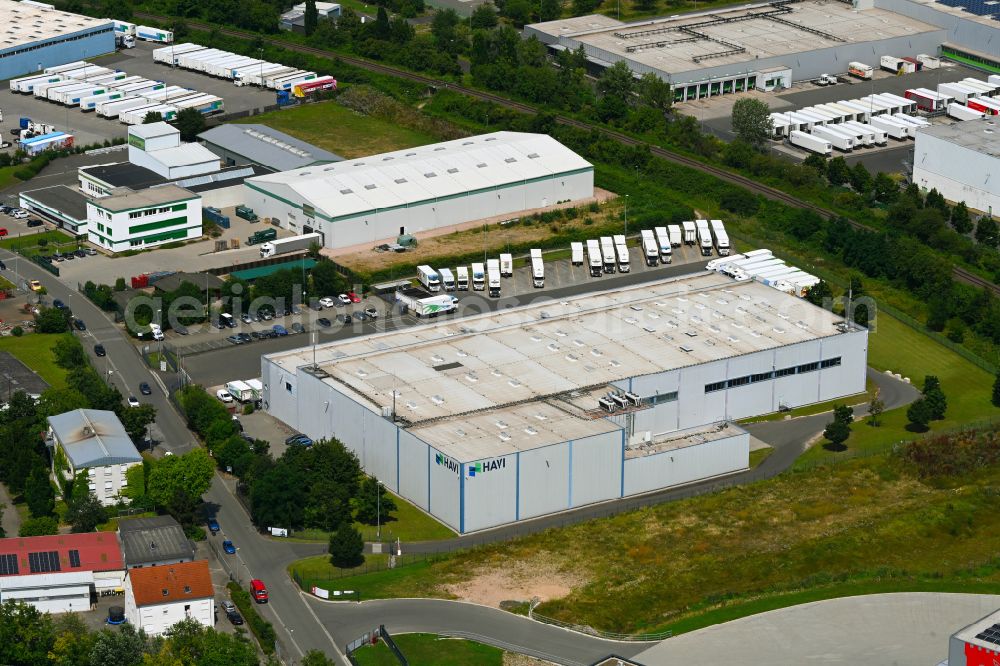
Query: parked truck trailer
{"points": [[285, 245]]}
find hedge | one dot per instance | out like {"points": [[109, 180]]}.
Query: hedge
{"points": [[261, 628]]}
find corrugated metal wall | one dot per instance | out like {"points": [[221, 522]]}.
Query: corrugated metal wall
{"points": [[691, 463], [90, 45]]}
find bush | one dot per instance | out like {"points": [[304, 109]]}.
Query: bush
{"points": [[261, 628], [39, 527], [24, 173], [17, 331], [248, 408]]}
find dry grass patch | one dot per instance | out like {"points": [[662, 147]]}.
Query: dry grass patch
{"points": [[522, 580]]}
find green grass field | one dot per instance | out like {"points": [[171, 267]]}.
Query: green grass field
{"points": [[431, 650], [35, 351], [341, 130], [28, 243], [407, 523]]}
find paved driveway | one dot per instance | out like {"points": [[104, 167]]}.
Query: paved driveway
{"points": [[904, 629]]}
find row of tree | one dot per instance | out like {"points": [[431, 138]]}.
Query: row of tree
{"points": [[31, 638]]}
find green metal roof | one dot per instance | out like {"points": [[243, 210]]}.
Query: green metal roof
{"points": [[261, 271]]}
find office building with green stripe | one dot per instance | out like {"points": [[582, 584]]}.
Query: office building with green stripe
{"points": [[373, 199], [130, 220]]}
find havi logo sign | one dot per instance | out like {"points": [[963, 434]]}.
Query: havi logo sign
{"points": [[445, 461], [487, 466]]}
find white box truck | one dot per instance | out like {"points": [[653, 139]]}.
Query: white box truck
{"points": [[676, 235], [621, 253], [286, 245], [478, 277], [429, 278], [422, 305], [537, 269], [447, 279], [576, 253], [811, 143], [690, 232], [721, 237], [650, 248], [704, 237], [608, 253], [664, 243], [493, 277], [154, 34], [462, 278], [595, 258], [841, 142], [506, 265], [860, 70]]}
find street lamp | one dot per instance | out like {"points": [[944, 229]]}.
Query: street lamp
{"points": [[378, 510], [626, 215]]}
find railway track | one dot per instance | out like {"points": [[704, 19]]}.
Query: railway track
{"points": [[728, 176]]}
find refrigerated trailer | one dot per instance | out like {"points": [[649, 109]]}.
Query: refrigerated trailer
{"points": [[905, 105], [537, 269], [704, 237], [595, 258], [154, 34], [255, 75], [690, 232], [90, 103], [268, 78], [138, 116], [860, 70], [878, 137], [576, 253], [27, 84], [928, 100], [54, 93], [72, 98], [621, 252], [861, 138], [913, 121], [720, 237], [813, 144], [841, 142], [608, 254], [960, 91], [204, 104], [506, 265], [189, 59], [319, 84], [289, 82], [890, 126], [140, 111], [111, 109], [862, 111], [168, 55], [988, 89], [962, 112], [202, 63], [664, 244], [676, 235], [987, 105], [224, 68], [69, 66], [650, 248]]}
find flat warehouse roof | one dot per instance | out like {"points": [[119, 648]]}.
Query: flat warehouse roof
{"points": [[513, 365], [123, 198], [24, 24], [735, 35], [66, 200], [982, 135]]}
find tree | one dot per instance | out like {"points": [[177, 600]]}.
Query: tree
{"points": [[987, 232], [875, 407], [837, 433], [152, 117], [59, 401], [381, 27], [646, 5], [617, 81], [191, 473], [192, 643], [484, 17], [919, 414], [123, 647], [190, 122], [38, 493], [316, 658], [819, 293], [859, 312], [137, 420], [68, 353], [837, 171], [86, 513], [843, 413], [996, 390], [654, 92], [73, 641], [51, 320], [752, 122], [961, 221], [135, 478], [936, 401], [885, 188], [346, 547], [311, 17], [38, 527], [26, 635], [549, 10], [326, 281], [861, 180], [373, 503], [444, 28]]}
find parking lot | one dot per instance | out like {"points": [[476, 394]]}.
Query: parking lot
{"points": [[90, 128]]}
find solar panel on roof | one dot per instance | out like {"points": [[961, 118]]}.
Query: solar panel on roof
{"points": [[990, 635], [44, 562], [8, 565], [74, 558]]}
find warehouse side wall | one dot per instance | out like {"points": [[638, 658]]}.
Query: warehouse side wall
{"points": [[285, 204], [34, 57], [691, 463], [958, 173], [962, 31]]}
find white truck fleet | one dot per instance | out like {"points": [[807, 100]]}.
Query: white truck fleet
{"points": [[429, 278], [650, 248], [462, 278], [576, 253], [721, 237], [478, 277], [690, 232], [608, 253], [664, 244], [537, 269], [447, 279], [506, 265], [621, 252], [493, 277], [704, 237], [595, 259]]}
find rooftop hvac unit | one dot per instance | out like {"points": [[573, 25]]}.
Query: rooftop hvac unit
{"points": [[633, 398], [606, 405], [619, 399]]}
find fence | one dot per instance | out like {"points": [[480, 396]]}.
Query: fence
{"points": [[392, 645], [371, 638]]}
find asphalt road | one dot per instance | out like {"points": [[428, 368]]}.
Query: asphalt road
{"points": [[243, 361]]}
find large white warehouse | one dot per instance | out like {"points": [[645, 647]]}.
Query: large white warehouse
{"points": [[506, 416], [962, 161], [361, 201]]}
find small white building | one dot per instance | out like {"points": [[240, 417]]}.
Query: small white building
{"points": [[157, 598], [96, 441], [158, 147], [130, 220], [961, 161], [50, 593]]}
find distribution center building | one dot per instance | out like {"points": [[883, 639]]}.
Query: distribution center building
{"points": [[960, 160], [36, 37], [511, 415], [361, 201]]}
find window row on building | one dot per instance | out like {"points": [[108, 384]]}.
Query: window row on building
{"points": [[773, 374]]}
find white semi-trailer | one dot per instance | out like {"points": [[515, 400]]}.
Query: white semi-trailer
{"points": [[720, 237], [676, 235], [877, 137], [26, 84], [595, 258], [621, 253], [841, 142], [90, 103], [429, 278], [962, 112], [493, 277], [650, 248], [664, 244], [813, 144], [537, 269], [704, 237], [478, 277], [154, 34], [608, 253], [506, 265], [422, 304], [690, 232], [462, 278], [112, 108], [168, 55], [66, 67], [890, 126], [138, 116], [576, 253], [286, 245], [255, 75]]}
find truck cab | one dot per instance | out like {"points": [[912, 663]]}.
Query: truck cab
{"points": [[478, 277], [462, 278], [429, 278]]}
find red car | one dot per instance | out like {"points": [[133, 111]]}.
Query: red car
{"points": [[258, 591], [354, 297]]}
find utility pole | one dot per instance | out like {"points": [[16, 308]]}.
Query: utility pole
{"points": [[378, 510], [626, 216]]}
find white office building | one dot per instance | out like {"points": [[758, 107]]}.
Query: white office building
{"points": [[421, 189], [158, 147], [130, 220], [511, 415]]}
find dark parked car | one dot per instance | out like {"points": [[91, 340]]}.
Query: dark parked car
{"points": [[80, 253], [323, 321], [235, 618], [79, 325], [99, 350], [144, 388], [34, 222], [3, 266], [228, 546], [218, 324], [297, 328], [180, 330], [299, 440], [245, 337], [213, 526], [58, 304], [279, 330]]}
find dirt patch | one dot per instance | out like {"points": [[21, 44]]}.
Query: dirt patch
{"points": [[514, 659], [521, 582], [468, 237]]}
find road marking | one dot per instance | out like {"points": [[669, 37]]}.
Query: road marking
{"points": [[336, 648]]}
